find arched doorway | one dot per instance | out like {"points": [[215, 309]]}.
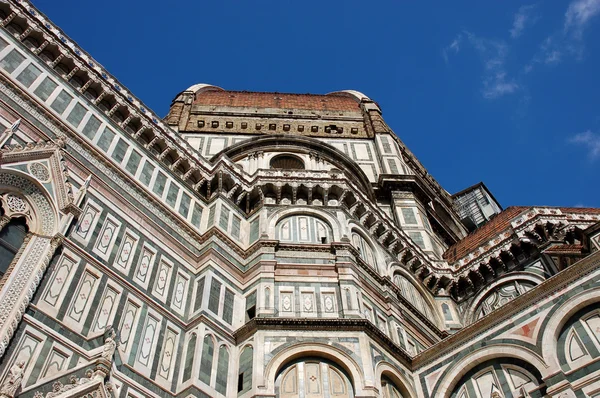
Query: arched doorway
{"points": [[313, 378]]}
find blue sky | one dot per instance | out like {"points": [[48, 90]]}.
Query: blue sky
{"points": [[501, 92]]}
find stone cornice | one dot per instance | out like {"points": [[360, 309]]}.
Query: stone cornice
{"points": [[515, 231], [323, 324], [510, 310]]}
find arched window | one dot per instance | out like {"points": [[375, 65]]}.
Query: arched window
{"points": [[287, 162], [365, 250], [410, 292], [222, 371], [189, 358], [303, 229], [501, 377], [206, 361], [245, 370], [313, 378], [579, 340], [12, 237], [500, 296]]}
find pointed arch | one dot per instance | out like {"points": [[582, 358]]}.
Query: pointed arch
{"points": [[206, 359], [24, 196], [189, 357], [222, 370]]}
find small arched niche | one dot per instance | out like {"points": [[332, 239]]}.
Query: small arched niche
{"points": [[286, 162], [313, 377], [303, 228]]}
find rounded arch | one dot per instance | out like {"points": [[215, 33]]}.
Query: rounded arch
{"points": [[561, 315], [296, 351], [300, 144], [461, 367], [386, 369], [287, 161], [525, 276], [23, 196], [396, 268], [308, 375], [280, 215], [356, 229]]}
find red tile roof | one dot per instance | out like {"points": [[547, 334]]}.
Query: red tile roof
{"points": [[481, 235], [580, 210], [498, 224], [320, 102]]}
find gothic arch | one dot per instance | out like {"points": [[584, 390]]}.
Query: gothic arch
{"points": [[25, 273], [483, 294], [30, 200], [385, 369], [559, 318], [457, 370], [278, 216], [296, 351]]}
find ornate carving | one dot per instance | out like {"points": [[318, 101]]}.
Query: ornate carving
{"points": [[110, 345], [13, 380], [16, 204], [38, 257], [39, 171], [45, 215]]}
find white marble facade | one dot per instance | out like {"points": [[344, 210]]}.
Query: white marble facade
{"points": [[225, 254]]}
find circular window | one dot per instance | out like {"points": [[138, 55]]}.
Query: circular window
{"points": [[287, 162]]}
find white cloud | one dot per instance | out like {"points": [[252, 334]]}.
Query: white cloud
{"points": [[551, 52], [496, 82], [578, 15], [453, 47], [521, 19], [590, 140], [567, 43]]}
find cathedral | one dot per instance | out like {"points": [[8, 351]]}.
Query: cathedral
{"points": [[258, 244]]}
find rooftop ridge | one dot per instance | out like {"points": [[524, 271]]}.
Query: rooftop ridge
{"points": [[332, 94]]}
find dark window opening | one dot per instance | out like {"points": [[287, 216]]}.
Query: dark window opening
{"points": [[240, 382], [251, 312], [12, 237]]}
